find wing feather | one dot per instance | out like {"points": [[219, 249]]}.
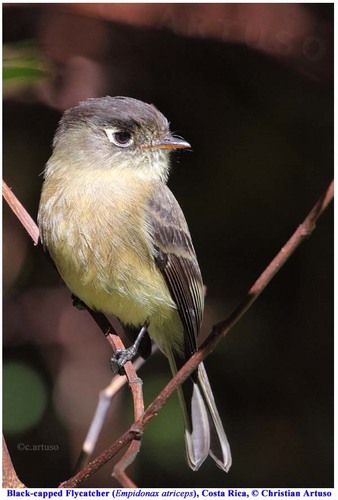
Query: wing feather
{"points": [[175, 256]]}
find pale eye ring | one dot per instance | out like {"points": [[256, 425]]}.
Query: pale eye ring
{"points": [[121, 138]]}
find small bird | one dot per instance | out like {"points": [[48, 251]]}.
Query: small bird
{"points": [[121, 243]]}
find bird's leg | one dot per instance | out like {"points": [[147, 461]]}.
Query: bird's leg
{"points": [[121, 356]]}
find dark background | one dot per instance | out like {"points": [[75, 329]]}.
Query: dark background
{"points": [[251, 88]]}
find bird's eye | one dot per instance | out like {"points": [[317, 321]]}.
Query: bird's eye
{"points": [[121, 138]]}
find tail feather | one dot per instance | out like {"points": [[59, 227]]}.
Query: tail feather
{"points": [[197, 431], [219, 445], [204, 432]]}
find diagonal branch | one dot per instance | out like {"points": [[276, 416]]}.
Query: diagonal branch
{"points": [[304, 231], [219, 331], [21, 213]]}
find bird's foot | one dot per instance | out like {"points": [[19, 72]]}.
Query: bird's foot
{"points": [[121, 356]]}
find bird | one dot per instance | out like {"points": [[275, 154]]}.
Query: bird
{"points": [[121, 243]]}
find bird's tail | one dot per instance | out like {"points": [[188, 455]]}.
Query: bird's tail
{"points": [[204, 432]]}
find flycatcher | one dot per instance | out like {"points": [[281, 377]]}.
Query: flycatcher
{"points": [[121, 243]]}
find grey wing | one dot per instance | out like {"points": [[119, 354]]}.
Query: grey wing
{"points": [[175, 256]]}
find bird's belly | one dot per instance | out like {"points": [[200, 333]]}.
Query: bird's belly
{"points": [[129, 287], [121, 284], [102, 250]]}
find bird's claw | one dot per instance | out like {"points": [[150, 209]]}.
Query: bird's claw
{"points": [[120, 358]]}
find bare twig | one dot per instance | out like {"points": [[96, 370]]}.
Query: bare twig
{"points": [[105, 398], [135, 384], [303, 232], [102, 459], [218, 332], [128, 458], [21, 213]]}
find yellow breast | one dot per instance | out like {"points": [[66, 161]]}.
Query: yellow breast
{"points": [[96, 232]]}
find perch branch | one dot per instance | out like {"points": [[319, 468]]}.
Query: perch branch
{"points": [[105, 398], [135, 384], [219, 331]]}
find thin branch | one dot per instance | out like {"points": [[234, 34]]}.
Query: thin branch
{"points": [[21, 213], [303, 232], [102, 459], [105, 399], [218, 332], [128, 458], [135, 384]]}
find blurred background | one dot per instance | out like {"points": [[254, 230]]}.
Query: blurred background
{"points": [[250, 86]]}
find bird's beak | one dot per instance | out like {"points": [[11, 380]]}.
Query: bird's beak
{"points": [[169, 142]]}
